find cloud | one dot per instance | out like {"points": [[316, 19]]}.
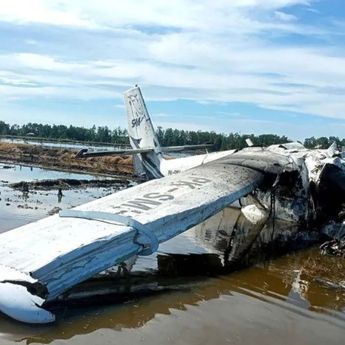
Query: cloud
{"points": [[39, 11], [284, 16], [185, 14], [238, 51]]}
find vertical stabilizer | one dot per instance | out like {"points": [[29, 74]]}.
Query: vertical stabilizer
{"points": [[141, 132], [140, 129]]}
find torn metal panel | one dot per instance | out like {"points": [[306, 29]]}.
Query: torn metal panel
{"points": [[17, 302], [261, 159]]}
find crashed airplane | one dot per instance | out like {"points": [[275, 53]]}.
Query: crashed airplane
{"points": [[41, 261]]}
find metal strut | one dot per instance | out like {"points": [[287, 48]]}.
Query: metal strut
{"points": [[144, 237], [273, 204], [273, 209]]}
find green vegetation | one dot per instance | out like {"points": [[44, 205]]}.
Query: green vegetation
{"points": [[99, 134], [175, 137], [167, 137]]}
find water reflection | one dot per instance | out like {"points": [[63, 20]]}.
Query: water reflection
{"points": [[60, 195]]}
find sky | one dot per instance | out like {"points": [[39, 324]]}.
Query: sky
{"points": [[247, 66]]}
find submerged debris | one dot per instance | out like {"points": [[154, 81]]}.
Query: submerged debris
{"points": [[330, 284], [334, 247], [327, 271], [54, 211]]}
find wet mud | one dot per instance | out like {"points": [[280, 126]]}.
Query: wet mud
{"points": [[63, 159]]}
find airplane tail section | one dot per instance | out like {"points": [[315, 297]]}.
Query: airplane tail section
{"points": [[148, 154], [140, 129], [141, 134]]}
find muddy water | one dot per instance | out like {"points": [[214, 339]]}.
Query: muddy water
{"points": [[18, 208], [186, 294]]}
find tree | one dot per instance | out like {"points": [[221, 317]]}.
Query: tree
{"points": [[4, 128]]}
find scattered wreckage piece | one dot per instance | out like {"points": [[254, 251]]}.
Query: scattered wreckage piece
{"points": [[41, 260], [335, 246]]}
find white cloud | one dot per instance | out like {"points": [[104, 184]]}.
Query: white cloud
{"points": [[190, 14], [203, 51], [39, 11], [43, 62], [284, 16]]}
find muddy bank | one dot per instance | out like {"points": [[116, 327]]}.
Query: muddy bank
{"points": [[66, 183], [58, 158]]}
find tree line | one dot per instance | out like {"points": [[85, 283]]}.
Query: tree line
{"points": [[167, 137], [101, 134]]}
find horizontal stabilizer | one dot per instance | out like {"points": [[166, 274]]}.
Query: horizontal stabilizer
{"points": [[85, 153], [185, 147]]}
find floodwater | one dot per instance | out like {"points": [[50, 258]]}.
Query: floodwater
{"points": [[18, 208], [187, 293]]}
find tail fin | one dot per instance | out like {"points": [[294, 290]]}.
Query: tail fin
{"points": [[141, 132], [140, 129]]}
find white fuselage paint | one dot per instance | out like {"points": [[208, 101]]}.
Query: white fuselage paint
{"points": [[176, 165]]}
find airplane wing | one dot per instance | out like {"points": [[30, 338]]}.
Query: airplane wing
{"points": [[41, 260]]}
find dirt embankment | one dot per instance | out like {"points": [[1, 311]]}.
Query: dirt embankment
{"points": [[65, 183], [64, 159]]}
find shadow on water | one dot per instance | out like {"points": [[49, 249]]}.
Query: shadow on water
{"points": [[197, 269]]}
